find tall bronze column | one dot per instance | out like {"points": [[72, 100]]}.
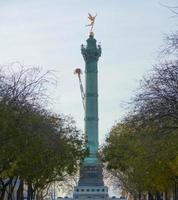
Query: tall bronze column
{"points": [[91, 54], [91, 183]]}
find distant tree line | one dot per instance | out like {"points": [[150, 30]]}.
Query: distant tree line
{"points": [[142, 149], [37, 147]]}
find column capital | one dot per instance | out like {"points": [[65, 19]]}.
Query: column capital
{"points": [[92, 51]]}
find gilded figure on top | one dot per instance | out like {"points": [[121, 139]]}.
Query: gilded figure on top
{"points": [[92, 21]]}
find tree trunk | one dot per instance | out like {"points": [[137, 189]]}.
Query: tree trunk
{"points": [[13, 184], [158, 196], [150, 196], [39, 195], [165, 196], [29, 192], [139, 195], [20, 195], [4, 187], [10, 191], [3, 190]]}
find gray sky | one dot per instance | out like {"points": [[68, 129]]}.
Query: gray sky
{"points": [[49, 33]]}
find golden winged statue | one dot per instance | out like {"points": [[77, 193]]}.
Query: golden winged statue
{"points": [[92, 21]]}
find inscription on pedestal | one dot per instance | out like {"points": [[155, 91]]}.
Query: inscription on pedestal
{"points": [[91, 176]]}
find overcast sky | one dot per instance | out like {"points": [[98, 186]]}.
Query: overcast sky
{"points": [[49, 33]]}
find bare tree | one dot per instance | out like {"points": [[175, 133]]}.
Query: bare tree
{"points": [[25, 84]]}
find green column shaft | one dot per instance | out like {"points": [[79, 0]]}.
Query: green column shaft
{"points": [[91, 53], [91, 107]]}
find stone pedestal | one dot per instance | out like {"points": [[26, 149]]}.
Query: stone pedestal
{"points": [[91, 185]]}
